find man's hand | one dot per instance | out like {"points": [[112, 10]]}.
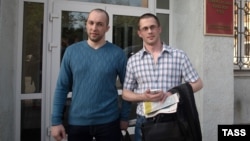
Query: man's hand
{"points": [[156, 96], [123, 125], [153, 96], [58, 132]]}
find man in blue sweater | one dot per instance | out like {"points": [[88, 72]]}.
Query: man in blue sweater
{"points": [[90, 68]]}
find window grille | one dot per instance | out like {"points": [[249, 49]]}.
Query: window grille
{"points": [[242, 34]]}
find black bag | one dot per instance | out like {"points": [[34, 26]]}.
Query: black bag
{"points": [[126, 136], [163, 128]]}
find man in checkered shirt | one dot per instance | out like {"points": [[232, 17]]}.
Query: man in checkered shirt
{"points": [[155, 66]]}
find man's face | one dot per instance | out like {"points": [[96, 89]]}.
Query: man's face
{"points": [[96, 26], [149, 31]]}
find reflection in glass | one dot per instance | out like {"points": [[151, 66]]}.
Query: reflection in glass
{"points": [[162, 4], [31, 120], [164, 20], [125, 34], [73, 28], [137, 3], [32, 47]]}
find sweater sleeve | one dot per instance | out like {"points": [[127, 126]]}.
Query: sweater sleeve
{"points": [[126, 105], [63, 86]]}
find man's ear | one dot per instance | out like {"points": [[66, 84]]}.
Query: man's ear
{"points": [[160, 29], [139, 33], [107, 28]]}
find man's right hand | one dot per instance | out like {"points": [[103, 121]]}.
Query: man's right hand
{"points": [[58, 132], [154, 97]]}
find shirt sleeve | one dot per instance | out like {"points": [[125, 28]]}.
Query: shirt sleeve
{"points": [[188, 71], [130, 82]]}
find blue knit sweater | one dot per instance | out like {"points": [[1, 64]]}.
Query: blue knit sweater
{"points": [[92, 74]]}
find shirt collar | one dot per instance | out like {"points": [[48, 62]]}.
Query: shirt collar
{"points": [[165, 48]]}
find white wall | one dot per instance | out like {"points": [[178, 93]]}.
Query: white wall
{"points": [[212, 57], [7, 48]]}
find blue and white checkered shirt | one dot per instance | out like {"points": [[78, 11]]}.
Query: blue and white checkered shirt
{"points": [[172, 68]]}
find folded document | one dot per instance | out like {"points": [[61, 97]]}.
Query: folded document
{"points": [[151, 109]]}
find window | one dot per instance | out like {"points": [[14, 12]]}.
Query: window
{"points": [[125, 34], [164, 20], [32, 47], [162, 4], [31, 78], [242, 35]]}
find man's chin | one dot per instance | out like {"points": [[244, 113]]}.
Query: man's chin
{"points": [[95, 39]]}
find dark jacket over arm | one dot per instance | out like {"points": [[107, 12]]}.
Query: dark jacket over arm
{"points": [[187, 113]]}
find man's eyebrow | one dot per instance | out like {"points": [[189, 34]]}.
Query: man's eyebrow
{"points": [[96, 22]]}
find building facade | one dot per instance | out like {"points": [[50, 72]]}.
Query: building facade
{"points": [[34, 33]]}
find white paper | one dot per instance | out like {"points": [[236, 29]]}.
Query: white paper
{"points": [[168, 106]]}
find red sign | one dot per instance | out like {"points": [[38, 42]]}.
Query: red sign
{"points": [[219, 17]]}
